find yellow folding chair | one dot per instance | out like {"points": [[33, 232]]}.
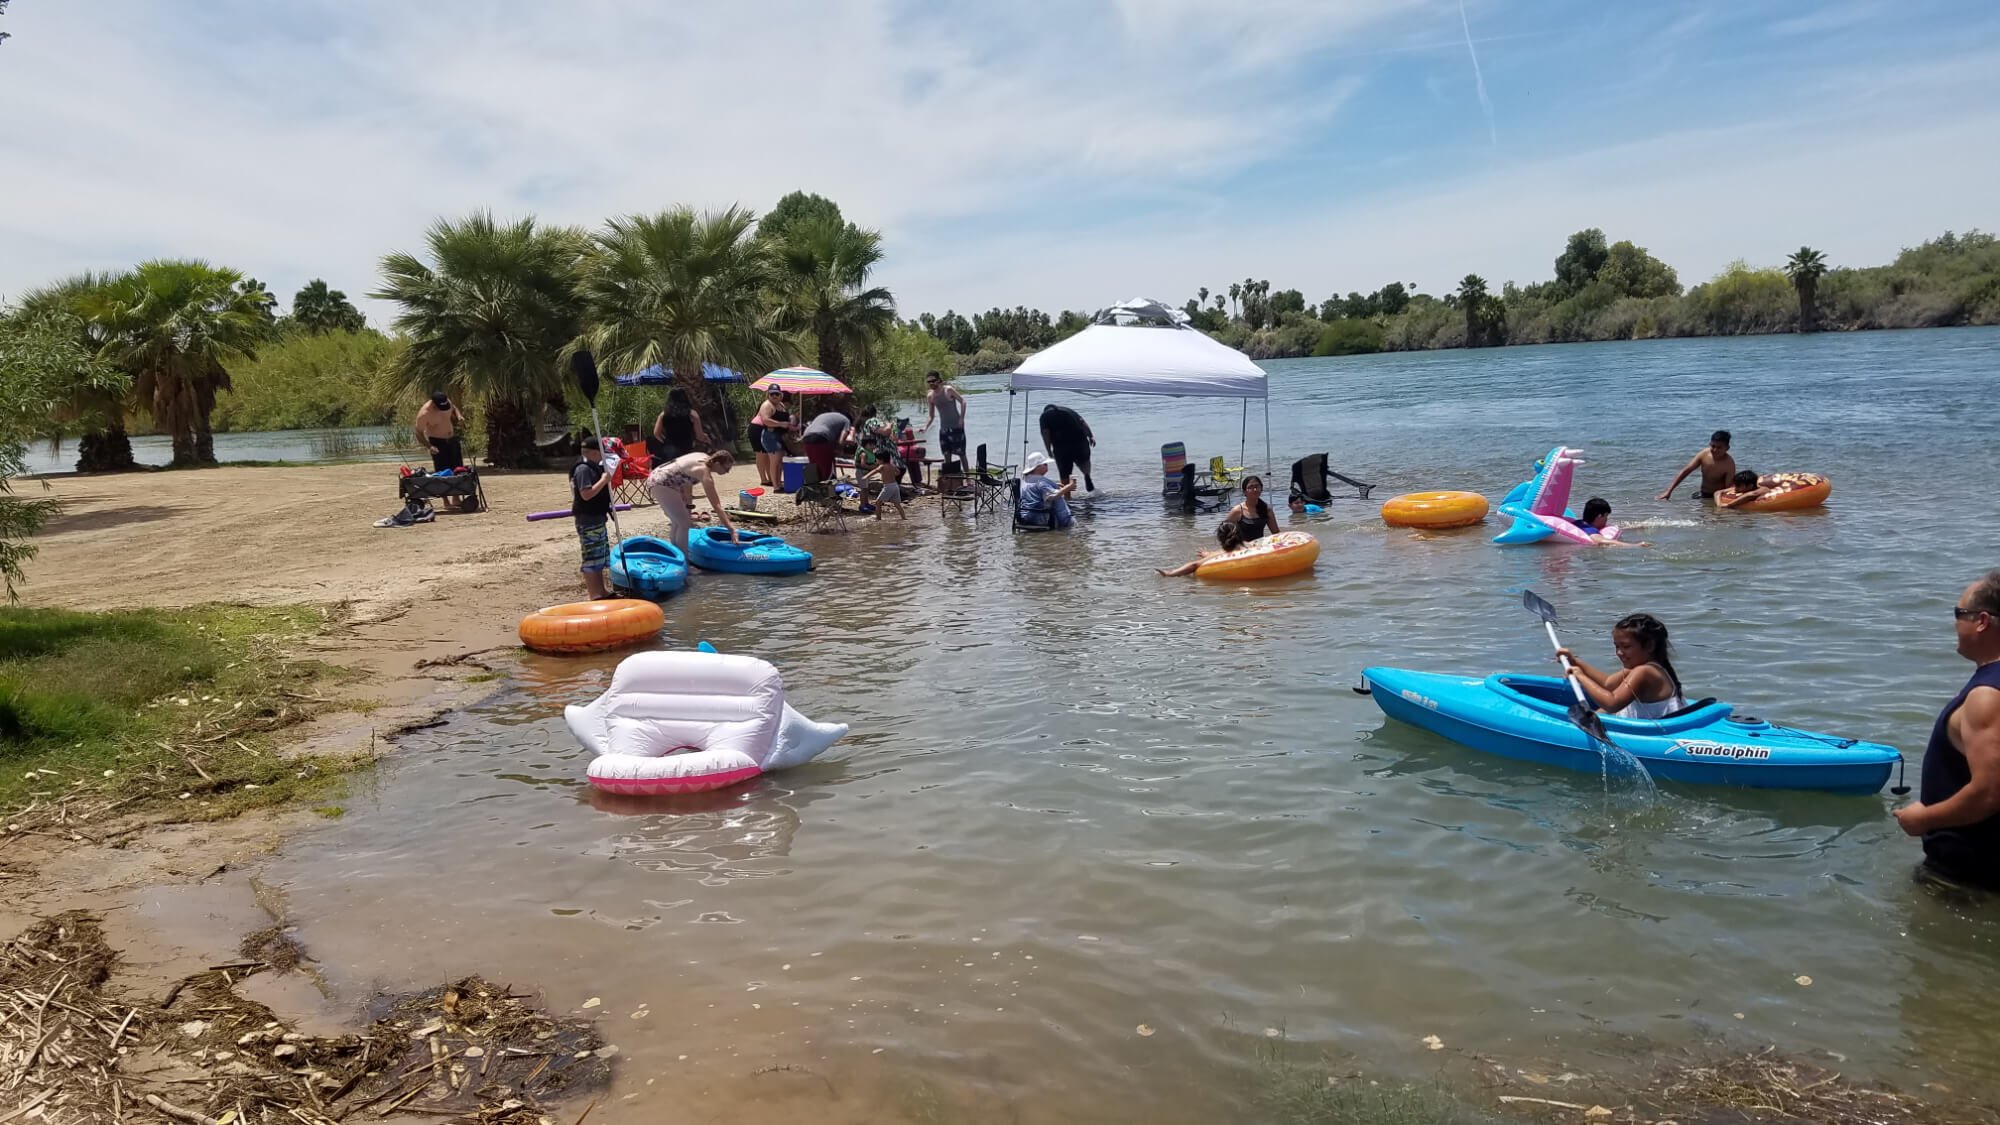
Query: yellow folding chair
{"points": [[1222, 473]]}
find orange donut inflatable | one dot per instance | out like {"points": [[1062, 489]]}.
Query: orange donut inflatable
{"points": [[1435, 510], [592, 626], [1793, 492]]}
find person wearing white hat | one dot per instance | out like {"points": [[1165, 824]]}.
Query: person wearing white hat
{"points": [[1044, 503]]}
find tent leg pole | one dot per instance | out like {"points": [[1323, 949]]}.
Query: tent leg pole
{"points": [[1243, 435], [1024, 430], [1270, 466], [1009, 442]]}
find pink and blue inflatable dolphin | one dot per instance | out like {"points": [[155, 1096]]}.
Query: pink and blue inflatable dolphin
{"points": [[1540, 506]]}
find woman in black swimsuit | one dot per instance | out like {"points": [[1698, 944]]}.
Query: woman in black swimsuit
{"points": [[1253, 518], [677, 431]]}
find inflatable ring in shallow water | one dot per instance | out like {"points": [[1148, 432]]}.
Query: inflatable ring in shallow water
{"points": [[1794, 491], [1435, 510], [591, 626], [1273, 556]]}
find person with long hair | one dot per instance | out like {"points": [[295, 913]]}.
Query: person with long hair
{"points": [[672, 486], [1253, 517], [678, 430], [1645, 685], [773, 421]]}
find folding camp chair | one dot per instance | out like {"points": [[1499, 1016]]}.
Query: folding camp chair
{"points": [[1222, 472], [989, 481], [1173, 458], [1014, 509], [1197, 497], [635, 464], [819, 503], [1309, 477]]}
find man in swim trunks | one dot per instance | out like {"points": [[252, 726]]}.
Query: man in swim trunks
{"points": [[947, 405], [1068, 439], [436, 431], [1716, 465], [1958, 808]]}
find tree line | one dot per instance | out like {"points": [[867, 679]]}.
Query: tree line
{"points": [[489, 312], [1600, 291]]}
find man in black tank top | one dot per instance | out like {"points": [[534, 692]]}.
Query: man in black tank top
{"points": [[1958, 808]]}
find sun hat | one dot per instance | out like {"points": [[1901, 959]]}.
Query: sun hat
{"points": [[1036, 463]]}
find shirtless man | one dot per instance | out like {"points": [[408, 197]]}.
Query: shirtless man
{"points": [[436, 430], [946, 403], [1716, 465]]}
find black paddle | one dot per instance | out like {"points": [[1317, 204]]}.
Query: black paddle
{"points": [[584, 365], [1580, 712]]}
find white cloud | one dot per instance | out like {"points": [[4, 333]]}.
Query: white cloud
{"points": [[1044, 152]]}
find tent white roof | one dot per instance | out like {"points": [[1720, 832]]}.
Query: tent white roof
{"points": [[1141, 347]]}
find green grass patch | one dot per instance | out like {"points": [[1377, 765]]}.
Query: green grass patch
{"points": [[178, 708]]}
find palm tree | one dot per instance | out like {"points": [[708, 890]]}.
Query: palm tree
{"points": [[173, 324], [680, 289], [1201, 300], [1235, 291], [1805, 269], [488, 320], [1472, 298], [320, 310], [105, 447], [823, 266]]}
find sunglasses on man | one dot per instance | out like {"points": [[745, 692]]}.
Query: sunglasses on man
{"points": [[1960, 613]]}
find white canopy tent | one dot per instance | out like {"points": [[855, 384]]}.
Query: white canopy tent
{"points": [[1142, 347]]}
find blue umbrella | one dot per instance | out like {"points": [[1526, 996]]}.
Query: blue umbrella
{"points": [[658, 376]]}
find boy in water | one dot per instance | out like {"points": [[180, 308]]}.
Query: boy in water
{"points": [[1747, 486], [1596, 515], [1716, 465]]}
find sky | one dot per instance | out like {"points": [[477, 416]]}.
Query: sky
{"points": [[1049, 153]]}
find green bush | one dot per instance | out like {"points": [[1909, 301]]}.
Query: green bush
{"points": [[1349, 337], [305, 381]]}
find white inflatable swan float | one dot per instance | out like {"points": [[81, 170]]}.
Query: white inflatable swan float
{"points": [[685, 722]]}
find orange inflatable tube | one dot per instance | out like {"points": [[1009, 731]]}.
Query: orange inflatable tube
{"points": [[1435, 510], [1794, 491], [1273, 556], [592, 626]]}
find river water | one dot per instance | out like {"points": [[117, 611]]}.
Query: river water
{"points": [[1099, 837], [347, 443]]}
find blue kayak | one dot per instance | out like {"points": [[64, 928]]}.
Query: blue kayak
{"points": [[710, 549], [648, 567], [1526, 717]]}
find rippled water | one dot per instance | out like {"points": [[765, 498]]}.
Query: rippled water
{"points": [[1080, 798]]}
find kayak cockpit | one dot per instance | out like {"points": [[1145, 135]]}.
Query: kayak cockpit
{"points": [[1550, 695]]}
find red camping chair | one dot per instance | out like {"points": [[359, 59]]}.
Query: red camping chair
{"points": [[635, 463]]}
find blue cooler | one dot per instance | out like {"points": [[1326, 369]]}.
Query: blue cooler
{"points": [[795, 474]]}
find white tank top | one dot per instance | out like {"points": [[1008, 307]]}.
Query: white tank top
{"points": [[1640, 709]]}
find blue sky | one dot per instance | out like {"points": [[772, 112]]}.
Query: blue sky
{"points": [[1055, 154]]}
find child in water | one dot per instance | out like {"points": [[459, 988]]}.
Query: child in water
{"points": [[1745, 487], [1225, 534], [1596, 514], [1645, 685], [890, 470], [1301, 508]]}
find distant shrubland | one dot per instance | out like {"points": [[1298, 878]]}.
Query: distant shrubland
{"points": [[1600, 291]]}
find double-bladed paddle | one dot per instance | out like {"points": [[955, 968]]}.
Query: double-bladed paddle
{"points": [[1580, 712]]}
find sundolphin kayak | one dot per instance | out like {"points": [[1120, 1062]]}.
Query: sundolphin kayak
{"points": [[1526, 717], [710, 549], [648, 567]]}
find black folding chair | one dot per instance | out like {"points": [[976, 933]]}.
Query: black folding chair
{"points": [[1014, 510], [1197, 497], [820, 503], [1309, 477]]}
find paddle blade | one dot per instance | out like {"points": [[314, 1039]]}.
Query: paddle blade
{"points": [[584, 365], [1535, 604], [1589, 722]]}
